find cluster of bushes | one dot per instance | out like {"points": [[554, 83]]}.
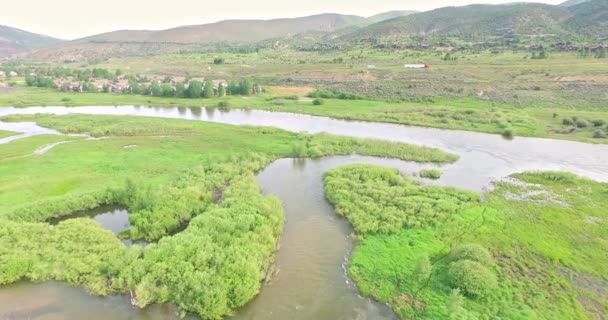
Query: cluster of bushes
{"points": [[577, 123], [396, 203]]}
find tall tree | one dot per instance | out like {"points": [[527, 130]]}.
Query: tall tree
{"points": [[233, 88], [180, 90], [208, 91], [245, 87], [221, 91], [194, 89]]}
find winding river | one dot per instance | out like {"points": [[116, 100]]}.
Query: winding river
{"points": [[311, 282]]}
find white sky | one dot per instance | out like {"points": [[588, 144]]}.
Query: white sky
{"points": [[71, 19]]}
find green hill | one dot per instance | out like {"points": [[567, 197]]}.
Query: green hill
{"points": [[13, 40], [472, 22], [589, 18]]}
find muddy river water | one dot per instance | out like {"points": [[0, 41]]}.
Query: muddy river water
{"points": [[311, 282]]}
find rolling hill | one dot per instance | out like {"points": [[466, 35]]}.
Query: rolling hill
{"points": [[589, 18], [234, 30], [471, 22], [13, 40]]}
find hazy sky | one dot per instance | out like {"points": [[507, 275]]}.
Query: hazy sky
{"points": [[70, 19]]}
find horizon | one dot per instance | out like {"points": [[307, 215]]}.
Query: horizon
{"points": [[41, 22]]}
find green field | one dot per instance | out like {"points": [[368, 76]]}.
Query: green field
{"points": [[169, 173], [532, 250]]}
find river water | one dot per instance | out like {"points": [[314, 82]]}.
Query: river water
{"points": [[311, 282]]}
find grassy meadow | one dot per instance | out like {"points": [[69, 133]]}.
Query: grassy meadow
{"points": [[173, 175], [533, 249], [4, 133]]}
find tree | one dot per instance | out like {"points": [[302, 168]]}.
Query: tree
{"points": [[167, 90], [221, 91], [180, 90], [233, 88], [194, 90], [157, 91], [208, 90], [218, 60], [245, 87], [118, 72]]}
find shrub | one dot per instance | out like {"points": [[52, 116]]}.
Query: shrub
{"points": [[472, 278], [507, 133], [223, 104], [598, 123], [318, 102], [66, 99], [581, 124], [567, 122], [430, 174], [599, 135], [473, 252]]}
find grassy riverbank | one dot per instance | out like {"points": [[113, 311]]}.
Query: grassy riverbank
{"points": [[4, 134], [583, 124], [168, 173], [535, 249]]}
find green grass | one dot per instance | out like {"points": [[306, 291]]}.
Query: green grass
{"points": [[4, 133], [168, 177], [547, 237], [430, 174]]}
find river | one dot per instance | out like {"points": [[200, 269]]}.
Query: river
{"points": [[314, 250]]}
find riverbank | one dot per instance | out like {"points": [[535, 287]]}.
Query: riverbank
{"points": [[532, 250], [463, 114]]}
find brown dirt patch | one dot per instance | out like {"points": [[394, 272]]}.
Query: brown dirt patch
{"points": [[584, 78], [290, 91]]}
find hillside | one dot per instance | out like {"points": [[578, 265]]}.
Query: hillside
{"points": [[590, 18], [13, 40], [472, 22], [571, 3], [233, 30], [388, 15]]}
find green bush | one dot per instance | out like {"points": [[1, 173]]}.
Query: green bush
{"points": [[472, 278], [473, 252], [581, 123], [567, 122], [599, 135], [430, 174], [598, 123], [318, 102], [507, 133]]}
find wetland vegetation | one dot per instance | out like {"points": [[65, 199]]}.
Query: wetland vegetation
{"points": [[439, 253], [174, 172]]}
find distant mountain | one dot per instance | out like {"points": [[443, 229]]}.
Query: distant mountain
{"points": [[589, 18], [13, 40], [472, 22], [571, 3], [234, 30], [388, 15]]}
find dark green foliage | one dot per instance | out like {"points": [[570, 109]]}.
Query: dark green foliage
{"points": [[318, 102], [156, 90], [218, 60], [194, 90], [377, 200], [180, 90], [507, 133], [598, 123], [473, 252], [325, 94], [599, 134], [245, 87], [472, 278], [581, 123], [208, 89], [233, 88], [167, 90], [567, 122], [221, 90]]}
